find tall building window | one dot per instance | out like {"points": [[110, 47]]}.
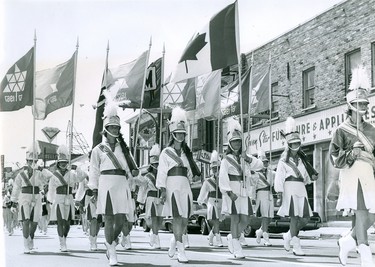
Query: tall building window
{"points": [[275, 102], [373, 65], [309, 87], [352, 61]]}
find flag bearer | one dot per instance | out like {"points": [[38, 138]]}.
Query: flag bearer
{"points": [[352, 151], [60, 194], [26, 197], [235, 184], [211, 195], [175, 172]]}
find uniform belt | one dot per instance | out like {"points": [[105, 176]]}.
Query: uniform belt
{"points": [[213, 194], [152, 193], [267, 188], [30, 190], [235, 177], [62, 190], [114, 172], [293, 179], [178, 171]]}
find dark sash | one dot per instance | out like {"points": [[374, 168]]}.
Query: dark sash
{"points": [[25, 179], [174, 156], [295, 169], [111, 156], [263, 179], [151, 177], [234, 163], [363, 138], [60, 177]]}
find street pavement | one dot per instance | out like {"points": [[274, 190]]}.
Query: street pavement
{"points": [[320, 247]]}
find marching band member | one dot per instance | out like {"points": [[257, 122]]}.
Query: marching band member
{"points": [[61, 196], [175, 172], [234, 183], [290, 180], [211, 195], [148, 197], [264, 207], [25, 195], [111, 167], [352, 151], [95, 220]]}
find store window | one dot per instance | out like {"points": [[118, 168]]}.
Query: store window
{"points": [[309, 87], [352, 61]]}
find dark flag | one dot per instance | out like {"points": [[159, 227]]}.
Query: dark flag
{"points": [[151, 98]]}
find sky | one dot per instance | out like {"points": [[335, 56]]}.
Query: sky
{"points": [[127, 26]]}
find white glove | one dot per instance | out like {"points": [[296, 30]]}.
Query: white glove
{"points": [[13, 210]]}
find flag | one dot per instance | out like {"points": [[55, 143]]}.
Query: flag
{"points": [[208, 96], [54, 88], [151, 97], [17, 85], [128, 81], [189, 95], [215, 47], [180, 94], [260, 93], [230, 96]]}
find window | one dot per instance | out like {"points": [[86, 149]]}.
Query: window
{"points": [[373, 65], [309, 87], [352, 61], [275, 102], [195, 130]]}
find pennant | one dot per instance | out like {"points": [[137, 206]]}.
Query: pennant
{"points": [[17, 85], [128, 80], [151, 98], [54, 88], [215, 47], [208, 96]]}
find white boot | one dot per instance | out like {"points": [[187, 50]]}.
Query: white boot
{"points": [[156, 242], [93, 244], [211, 238], [125, 242], [297, 250], [366, 255], [346, 244], [230, 243], [258, 234], [243, 240], [266, 237], [152, 240], [172, 247], [111, 253], [26, 249], [287, 238], [63, 244], [219, 242], [237, 249], [181, 257], [31, 243], [185, 240]]}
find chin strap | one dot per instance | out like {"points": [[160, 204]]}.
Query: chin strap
{"points": [[176, 139], [361, 112], [113, 135]]}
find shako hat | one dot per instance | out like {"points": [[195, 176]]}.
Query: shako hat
{"points": [[154, 154], [62, 154], [291, 134], [178, 121]]}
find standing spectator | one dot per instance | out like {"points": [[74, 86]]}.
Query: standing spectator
{"points": [[111, 167], [60, 194], [290, 182], [211, 195], [175, 173], [26, 197], [235, 184], [352, 151], [148, 197], [264, 207], [44, 219]]}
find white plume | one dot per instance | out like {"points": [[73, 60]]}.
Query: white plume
{"points": [[290, 125], [30, 149], [233, 125], [63, 149], [111, 106], [178, 114], [155, 150], [261, 153], [360, 79], [214, 156]]}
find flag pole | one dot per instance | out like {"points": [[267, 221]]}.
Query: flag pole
{"points": [[270, 103], [34, 109], [250, 98], [161, 98], [73, 99], [142, 95]]}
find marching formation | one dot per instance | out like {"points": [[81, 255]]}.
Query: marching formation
{"points": [[240, 186]]}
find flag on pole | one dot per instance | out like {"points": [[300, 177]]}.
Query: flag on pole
{"points": [[208, 96], [189, 95], [260, 93], [128, 81], [54, 88], [151, 98], [214, 47], [180, 94], [17, 85]]}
